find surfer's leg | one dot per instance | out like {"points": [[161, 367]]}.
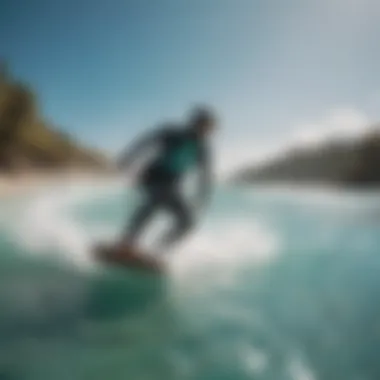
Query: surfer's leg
{"points": [[139, 220], [183, 222]]}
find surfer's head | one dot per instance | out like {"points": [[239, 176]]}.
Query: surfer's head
{"points": [[202, 121]]}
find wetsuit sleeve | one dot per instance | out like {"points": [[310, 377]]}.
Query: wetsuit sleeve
{"points": [[205, 176], [131, 153]]}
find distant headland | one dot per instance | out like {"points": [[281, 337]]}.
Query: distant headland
{"points": [[354, 163]]}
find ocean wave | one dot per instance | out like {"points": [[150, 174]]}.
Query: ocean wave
{"points": [[48, 224]]}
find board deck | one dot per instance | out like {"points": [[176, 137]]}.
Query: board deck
{"points": [[127, 256]]}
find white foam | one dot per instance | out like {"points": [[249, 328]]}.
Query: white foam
{"points": [[48, 226], [299, 371], [255, 361], [215, 254], [44, 227]]}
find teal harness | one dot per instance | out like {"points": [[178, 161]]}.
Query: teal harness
{"points": [[181, 158]]}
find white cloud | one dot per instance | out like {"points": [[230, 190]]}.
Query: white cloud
{"points": [[235, 154], [342, 123]]}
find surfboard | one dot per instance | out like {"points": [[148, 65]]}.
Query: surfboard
{"points": [[127, 256]]}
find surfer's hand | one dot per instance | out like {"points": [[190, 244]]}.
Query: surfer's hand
{"points": [[121, 164]]}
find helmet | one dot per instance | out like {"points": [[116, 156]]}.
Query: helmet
{"points": [[202, 116]]}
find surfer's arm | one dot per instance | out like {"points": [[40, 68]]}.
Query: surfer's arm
{"points": [[131, 153], [205, 178]]}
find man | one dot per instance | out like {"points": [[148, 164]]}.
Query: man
{"points": [[180, 149]]}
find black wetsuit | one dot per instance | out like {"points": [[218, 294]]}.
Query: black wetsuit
{"points": [[179, 150]]}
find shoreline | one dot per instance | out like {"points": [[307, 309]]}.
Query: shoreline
{"points": [[310, 187], [15, 184], [20, 183]]}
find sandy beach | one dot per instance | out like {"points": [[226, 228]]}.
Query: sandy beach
{"points": [[17, 184]]}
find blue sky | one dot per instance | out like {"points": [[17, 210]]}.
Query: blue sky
{"points": [[275, 70]]}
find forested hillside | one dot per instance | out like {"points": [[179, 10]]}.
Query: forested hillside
{"points": [[28, 141], [348, 163]]}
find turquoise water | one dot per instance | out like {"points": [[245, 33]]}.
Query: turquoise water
{"points": [[275, 284]]}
